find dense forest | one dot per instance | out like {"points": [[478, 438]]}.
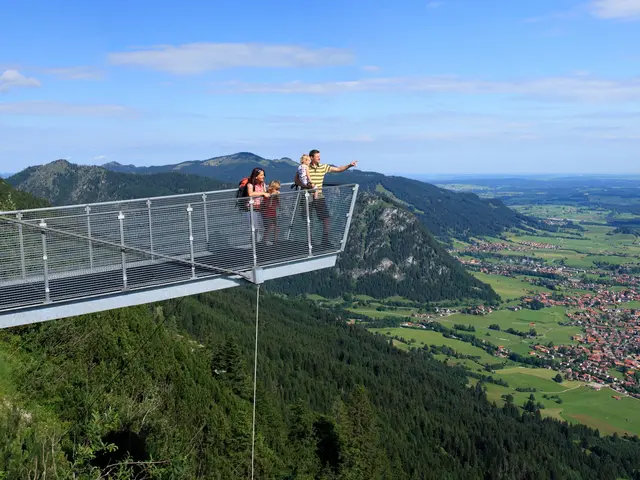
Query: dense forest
{"points": [[165, 392]]}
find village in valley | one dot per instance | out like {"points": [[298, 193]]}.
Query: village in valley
{"points": [[570, 306]]}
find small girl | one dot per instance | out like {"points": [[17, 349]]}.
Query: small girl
{"points": [[302, 175], [270, 213]]}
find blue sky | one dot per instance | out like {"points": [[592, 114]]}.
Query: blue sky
{"points": [[450, 86]]}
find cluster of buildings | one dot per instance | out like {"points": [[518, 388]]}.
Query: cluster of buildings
{"points": [[596, 301], [480, 246], [544, 246], [608, 350]]}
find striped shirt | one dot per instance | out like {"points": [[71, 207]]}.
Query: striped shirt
{"points": [[317, 173]]}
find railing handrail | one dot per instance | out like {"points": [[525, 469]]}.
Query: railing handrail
{"points": [[144, 199]]}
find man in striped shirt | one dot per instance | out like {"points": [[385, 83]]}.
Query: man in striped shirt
{"points": [[317, 171]]}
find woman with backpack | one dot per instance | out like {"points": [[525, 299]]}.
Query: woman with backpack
{"points": [[256, 190]]}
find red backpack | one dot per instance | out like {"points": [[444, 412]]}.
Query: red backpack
{"points": [[242, 192]]}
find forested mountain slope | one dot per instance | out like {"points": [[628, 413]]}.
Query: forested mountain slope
{"points": [[10, 198], [389, 252], [61, 182], [179, 407]]}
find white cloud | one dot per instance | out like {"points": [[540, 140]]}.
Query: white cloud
{"points": [[14, 79], [571, 88], [194, 58], [75, 73], [99, 158], [627, 9], [43, 108], [434, 4]]}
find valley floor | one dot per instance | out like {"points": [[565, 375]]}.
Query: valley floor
{"points": [[570, 307]]}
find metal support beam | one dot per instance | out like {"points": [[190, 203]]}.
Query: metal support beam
{"points": [[150, 228], [343, 242], [206, 217], [306, 204], [45, 261], [253, 234], [122, 251], [23, 268], [193, 260], [88, 210]]}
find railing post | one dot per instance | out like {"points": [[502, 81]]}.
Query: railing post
{"points": [[343, 242], [21, 237], [122, 251], [193, 266], [43, 232], [293, 215], [253, 234], [206, 219], [306, 204], [88, 210], [150, 229]]}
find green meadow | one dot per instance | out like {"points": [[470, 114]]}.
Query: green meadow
{"points": [[544, 321], [569, 212], [594, 246], [508, 287], [420, 338]]}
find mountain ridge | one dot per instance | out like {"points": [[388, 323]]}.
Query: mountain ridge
{"points": [[61, 182], [447, 214]]}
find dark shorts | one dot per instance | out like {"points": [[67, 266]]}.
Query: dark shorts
{"points": [[320, 206]]}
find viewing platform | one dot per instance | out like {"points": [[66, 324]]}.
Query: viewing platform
{"points": [[64, 261]]}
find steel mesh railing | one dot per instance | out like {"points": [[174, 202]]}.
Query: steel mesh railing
{"points": [[62, 253]]}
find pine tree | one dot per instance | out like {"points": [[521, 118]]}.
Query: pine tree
{"points": [[360, 450]]}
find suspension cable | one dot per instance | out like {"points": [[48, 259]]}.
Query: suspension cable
{"points": [[255, 377]]}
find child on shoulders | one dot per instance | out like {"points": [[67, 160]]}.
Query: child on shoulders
{"points": [[302, 175]]}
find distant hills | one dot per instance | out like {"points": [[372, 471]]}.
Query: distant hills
{"points": [[61, 182], [228, 168], [445, 213]]}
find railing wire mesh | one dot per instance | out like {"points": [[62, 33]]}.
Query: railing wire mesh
{"points": [[79, 251]]}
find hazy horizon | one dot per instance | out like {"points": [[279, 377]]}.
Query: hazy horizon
{"points": [[415, 175]]}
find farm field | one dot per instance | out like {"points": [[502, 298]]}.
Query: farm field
{"points": [[569, 212], [595, 245], [420, 338], [544, 321], [507, 287]]}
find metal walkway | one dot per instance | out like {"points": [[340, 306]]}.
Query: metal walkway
{"points": [[65, 261]]}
